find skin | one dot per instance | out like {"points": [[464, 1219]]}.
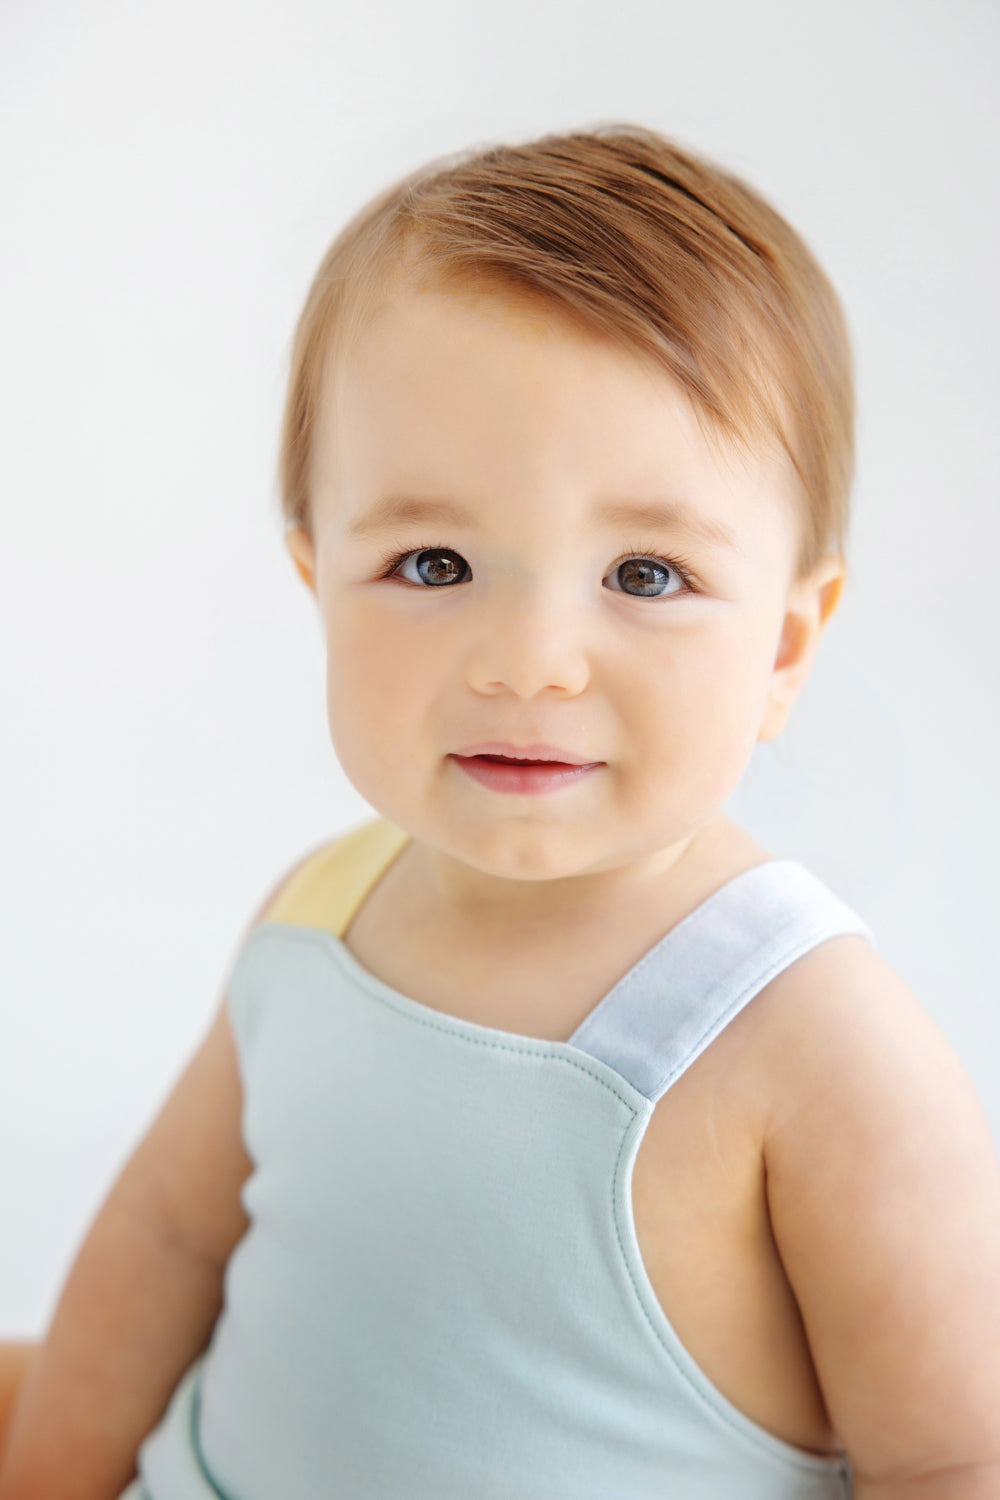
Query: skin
{"points": [[530, 425], [817, 1199]]}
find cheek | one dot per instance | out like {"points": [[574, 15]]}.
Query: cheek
{"points": [[706, 709], [375, 687]]}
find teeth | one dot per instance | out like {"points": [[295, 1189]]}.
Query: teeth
{"points": [[518, 760]]}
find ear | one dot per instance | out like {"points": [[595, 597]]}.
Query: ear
{"points": [[300, 545], [811, 602]]}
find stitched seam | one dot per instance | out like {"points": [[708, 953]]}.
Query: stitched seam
{"points": [[761, 1439], [680, 931], [306, 938], [724, 891]]}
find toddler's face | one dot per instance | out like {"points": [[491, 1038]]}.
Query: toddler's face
{"points": [[523, 539]]}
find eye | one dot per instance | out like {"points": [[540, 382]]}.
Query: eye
{"points": [[646, 578], [433, 566]]}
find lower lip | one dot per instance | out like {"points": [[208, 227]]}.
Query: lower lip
{"points": [[525, 778]]}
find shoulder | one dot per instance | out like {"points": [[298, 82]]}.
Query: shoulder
{"points": [[862, 1091], [323, 888], [848, 1044], [841, 1012], [884, 1196]]}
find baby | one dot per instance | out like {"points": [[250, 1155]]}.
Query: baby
{"points": [[553, 1138]]}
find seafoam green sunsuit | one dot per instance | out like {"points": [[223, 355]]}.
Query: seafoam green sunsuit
{"points": [[441, 1295]]}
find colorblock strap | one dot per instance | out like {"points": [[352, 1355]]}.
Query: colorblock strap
{"points": [[666, 1010], [327, 888]]}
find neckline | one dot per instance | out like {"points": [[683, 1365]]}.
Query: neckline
{"points": [[334, 942]]}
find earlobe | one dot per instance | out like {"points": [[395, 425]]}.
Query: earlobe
{"points": [[303, 553], [810, 607]]}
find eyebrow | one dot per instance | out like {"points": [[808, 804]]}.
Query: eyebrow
{"points": [[665, 515], [668, 515], [397, 510]]}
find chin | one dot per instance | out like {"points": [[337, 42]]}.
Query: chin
{"points": [[523, 853]]}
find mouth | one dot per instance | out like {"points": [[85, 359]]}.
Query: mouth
{"points": [[527, 771], [534, 754], [521, 760]]}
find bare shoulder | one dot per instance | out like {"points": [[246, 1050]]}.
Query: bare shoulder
{"points": [[884, 1195], [857, 1036]]}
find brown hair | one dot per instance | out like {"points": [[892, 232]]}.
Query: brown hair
{"points": [[646, 244]]}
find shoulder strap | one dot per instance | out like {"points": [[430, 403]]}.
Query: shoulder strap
{"points": [[666, 1010], [327, 888]]}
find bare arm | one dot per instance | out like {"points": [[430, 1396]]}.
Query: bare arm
{"points": [[884, 1194], [142, 1296], [969, 1482], [15, 1357]]}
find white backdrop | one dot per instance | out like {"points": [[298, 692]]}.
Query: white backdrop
{"points": [[171, 173]]}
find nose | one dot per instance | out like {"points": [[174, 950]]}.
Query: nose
{"points": [[528, 641]]}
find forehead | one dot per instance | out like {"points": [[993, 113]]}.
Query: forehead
{"points": [[454, 391]]}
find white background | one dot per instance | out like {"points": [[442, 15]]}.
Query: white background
{"points": [[171, 174]]}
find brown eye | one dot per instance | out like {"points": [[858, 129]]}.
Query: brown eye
{"points": [[645, 578], [435, 566]]}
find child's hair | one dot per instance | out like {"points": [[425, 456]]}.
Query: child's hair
{"points": [[644, 243]]}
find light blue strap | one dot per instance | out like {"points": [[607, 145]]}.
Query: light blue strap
{"points": [[666, 1010]]}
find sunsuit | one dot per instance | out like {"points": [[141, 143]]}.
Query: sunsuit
{"points": [[441, 1295]]}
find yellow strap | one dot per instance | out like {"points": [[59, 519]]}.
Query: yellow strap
{"points": [[327, 888]]}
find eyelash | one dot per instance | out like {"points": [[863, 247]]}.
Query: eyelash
{"points": [[679, 565], [391, 560]]}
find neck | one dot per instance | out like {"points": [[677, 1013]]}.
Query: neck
{"points": [[471, 899]]}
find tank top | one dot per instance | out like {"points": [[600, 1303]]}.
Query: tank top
{"points": [[440, 1295]]}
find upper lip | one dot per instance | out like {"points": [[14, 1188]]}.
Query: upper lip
{"points": [[527, 752]]}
